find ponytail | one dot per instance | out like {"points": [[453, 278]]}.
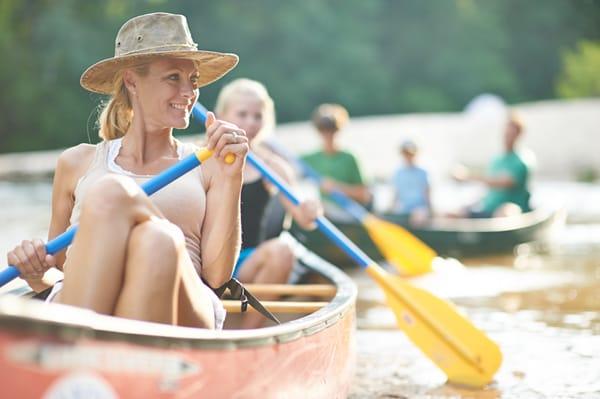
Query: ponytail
{"points": [[117, 114]]}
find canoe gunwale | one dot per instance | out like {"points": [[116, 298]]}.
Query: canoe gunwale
{"points": [[71, 324], [454, 237], [484, 225]]}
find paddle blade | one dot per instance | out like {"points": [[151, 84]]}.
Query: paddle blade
{"points": [[463, 352], [399, 247]]}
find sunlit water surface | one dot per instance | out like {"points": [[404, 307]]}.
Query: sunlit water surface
{"points": [[542, 306]]}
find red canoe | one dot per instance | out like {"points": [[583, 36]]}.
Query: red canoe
{"points": [[55, 351]]}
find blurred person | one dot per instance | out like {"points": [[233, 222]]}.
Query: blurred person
{"points": [[507, 179], [338, 168], [411, 187], [137, 257], [246, 103]]}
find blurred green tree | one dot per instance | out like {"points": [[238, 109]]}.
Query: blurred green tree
{"points": [[580, 76], [376, 57]]}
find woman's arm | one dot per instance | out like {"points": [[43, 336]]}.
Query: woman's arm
{"points": [[71, 165], [221, 229], [33, 261]]}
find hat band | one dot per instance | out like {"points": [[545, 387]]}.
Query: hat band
{"points": [[162, 48]]}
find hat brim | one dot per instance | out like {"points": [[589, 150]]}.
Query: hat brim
{"points": [[98, 78]]}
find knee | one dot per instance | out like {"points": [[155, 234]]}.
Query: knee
{"points": [[156, 246], [282, 256], [508, 209], [109, 195]]}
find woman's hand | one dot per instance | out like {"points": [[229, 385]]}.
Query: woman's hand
{"points": [[307, 212], [225, 138], [31, 259]]}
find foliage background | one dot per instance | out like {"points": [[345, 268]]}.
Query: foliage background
{"points": [[375, 57]]}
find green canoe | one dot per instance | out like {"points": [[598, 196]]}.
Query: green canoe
{"points": [[449, 237]]}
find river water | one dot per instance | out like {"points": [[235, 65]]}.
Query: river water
{"points": [[541, 305]]}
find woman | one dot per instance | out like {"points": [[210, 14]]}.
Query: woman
{"points": [[247, 104], [339, 168], [137, 257]]}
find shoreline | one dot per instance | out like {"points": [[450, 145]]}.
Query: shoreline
{"points": [[563, 135]]}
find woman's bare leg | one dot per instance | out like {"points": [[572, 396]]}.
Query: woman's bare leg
{"points": [[160, 279], [94, 268], [151, 282], [271, 263], [195, 305], [128, 261]]}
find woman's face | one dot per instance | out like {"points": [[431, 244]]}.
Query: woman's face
{"points": [[247, 112], [167, 93]]}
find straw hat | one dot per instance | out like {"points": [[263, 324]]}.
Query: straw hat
{"points": [[152, 35]]}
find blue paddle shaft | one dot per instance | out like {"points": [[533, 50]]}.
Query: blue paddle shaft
{"points": [[199, 112], [323, 224], [150, 187], [351, 206]]}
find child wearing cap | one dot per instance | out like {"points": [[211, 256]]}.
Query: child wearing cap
{"points": [[411, 186]]}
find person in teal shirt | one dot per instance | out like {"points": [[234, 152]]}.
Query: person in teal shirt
{"points": [[339, 168], [507, 180]]}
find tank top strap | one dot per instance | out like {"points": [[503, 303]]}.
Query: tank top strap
{"points": [[97, 167], [100, 156]]}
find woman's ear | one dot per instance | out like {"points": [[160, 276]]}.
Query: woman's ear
{"points": [[129, 79]]}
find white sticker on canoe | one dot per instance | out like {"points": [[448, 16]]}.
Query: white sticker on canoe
{"points": [[80, 385], [60, 357]]}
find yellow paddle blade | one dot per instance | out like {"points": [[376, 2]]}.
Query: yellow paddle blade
{"points": [[399, 247], [463, 352]]}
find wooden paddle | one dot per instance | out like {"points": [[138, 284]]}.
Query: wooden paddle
{"points": [[409, 255], [150, 187], [463, 352]]}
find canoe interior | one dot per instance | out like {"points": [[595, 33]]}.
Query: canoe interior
{"points": [[449, 237], [57, 351]]}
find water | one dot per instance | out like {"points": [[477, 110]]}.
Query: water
{"points": [[542, 306]]}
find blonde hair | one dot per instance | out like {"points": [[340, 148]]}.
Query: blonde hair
{"points": [[117, 113], [243, 86], [330, 117]]}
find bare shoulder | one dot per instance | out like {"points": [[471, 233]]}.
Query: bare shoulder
{"points": [[75, 155], [74, 161]]}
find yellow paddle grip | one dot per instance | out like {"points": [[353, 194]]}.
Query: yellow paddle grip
{"points": [[204, 153]]}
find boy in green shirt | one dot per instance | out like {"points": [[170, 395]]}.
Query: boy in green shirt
{"points": [[339, 168]]}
